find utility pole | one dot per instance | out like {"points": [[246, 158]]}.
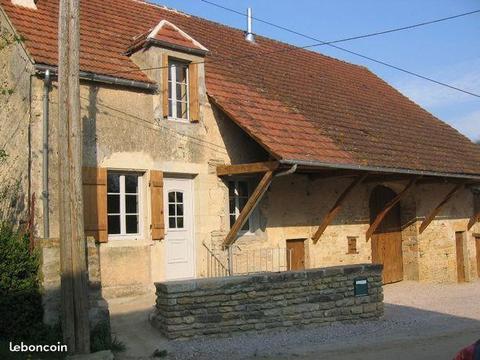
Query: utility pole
{"points": [[74, 289]]}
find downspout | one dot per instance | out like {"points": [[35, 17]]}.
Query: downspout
{"points": [[287, 172], [45, 194]]}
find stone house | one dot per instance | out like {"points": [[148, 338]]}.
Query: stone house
{"points": [[201, 146]]}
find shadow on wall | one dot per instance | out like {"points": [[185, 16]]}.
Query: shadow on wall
{"points": [[303, 200], [240, 147]]}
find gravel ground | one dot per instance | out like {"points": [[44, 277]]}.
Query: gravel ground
{"points": [[415, 314], [422, 321]]}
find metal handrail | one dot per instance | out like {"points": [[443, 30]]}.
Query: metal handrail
{"points": [[216, 258]]}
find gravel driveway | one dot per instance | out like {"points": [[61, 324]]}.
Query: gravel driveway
{"points": [[422, 321]]}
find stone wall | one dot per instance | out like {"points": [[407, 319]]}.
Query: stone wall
{"points": [[50, 272], [15, 72], [222, 306]]}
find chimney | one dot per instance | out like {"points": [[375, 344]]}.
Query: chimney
{"points": [[249, 36], [30, 4]]}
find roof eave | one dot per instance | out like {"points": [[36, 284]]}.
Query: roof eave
{"points": [[105, 79], [379, 169], [180, 48]]}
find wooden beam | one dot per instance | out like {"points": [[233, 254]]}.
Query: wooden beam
{"points": [[476, 210], [439, 207], [249, 207], [378, 220], [473, 220], [327, 220], [251, 168]]}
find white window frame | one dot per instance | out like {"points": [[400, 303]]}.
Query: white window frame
{"points": [[123, 231], [172, 102], [252, 220]]}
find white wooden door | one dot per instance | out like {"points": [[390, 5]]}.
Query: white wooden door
{"points": [[179, 238]]}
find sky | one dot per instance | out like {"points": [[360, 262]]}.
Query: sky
{"points": [[448, 51]]}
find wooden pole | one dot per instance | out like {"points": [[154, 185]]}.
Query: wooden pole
{"points": [[79, 261], [68, 316], [74, 290]]}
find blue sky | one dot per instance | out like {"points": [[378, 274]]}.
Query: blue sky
{"points": [[447, 51]]}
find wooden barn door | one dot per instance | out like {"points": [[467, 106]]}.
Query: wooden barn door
{"points": [[387, 239]]}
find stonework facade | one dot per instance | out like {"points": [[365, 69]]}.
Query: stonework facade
{"points": [[125, 129], [223, 306]]}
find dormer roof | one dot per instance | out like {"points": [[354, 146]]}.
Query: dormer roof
{"points": [[168, 35]]}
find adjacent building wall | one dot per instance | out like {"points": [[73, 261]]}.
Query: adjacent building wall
{"points": [[15, 75]]}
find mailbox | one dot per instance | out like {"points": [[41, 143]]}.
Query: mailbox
{"points": [[360, 286]]}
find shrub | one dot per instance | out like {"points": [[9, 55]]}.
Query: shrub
{"points": [[21, 309], [101, 339]]}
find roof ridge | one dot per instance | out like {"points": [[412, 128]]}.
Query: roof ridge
{"points": [[163, 7], [293, 46]]}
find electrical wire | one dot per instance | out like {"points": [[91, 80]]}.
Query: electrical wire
{"points": [[381, 62]]}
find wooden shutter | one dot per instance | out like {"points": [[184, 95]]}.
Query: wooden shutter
{"points": [[156, 191], [165, 70], [193, 93], [95, 202]]}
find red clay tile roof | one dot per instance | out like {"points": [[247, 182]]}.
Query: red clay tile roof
{"points": [[167, 34], [299, 105]]}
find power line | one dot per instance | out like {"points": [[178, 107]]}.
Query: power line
{"points": [[331, 43]]}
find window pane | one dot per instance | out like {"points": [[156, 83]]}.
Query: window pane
{"points": [[180, 209], [246, 226], [180, 222], [242, 188], [241, 203], [113, 183], [171, 210], [181, 110], [171, 222], [232, 206], [181, 70], [170, 95], [132, 224], [114, 224], [181, 92], [131, 205], [113, 204], [171, 197], [231, 188], [131, 183], [232, 220], [179, 197]]}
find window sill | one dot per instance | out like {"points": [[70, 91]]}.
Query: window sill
{"points": [[125, 237], [179, 120]]}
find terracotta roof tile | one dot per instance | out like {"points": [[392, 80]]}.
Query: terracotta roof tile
{"points": [[300, 105]]}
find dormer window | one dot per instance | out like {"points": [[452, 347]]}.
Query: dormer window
{"points": [[178, 90]]}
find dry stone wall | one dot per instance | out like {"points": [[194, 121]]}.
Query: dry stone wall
{"points": [[227, 305]]}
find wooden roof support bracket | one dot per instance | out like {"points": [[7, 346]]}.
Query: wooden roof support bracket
{"points": [[473, 220], [252, 168], [248, 208], [378, 220], [439, 207], [327, 220]]}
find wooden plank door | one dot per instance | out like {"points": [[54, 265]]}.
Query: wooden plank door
{"points": [[459, 239], [296, 254], [477, 246], [387, 239]]}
